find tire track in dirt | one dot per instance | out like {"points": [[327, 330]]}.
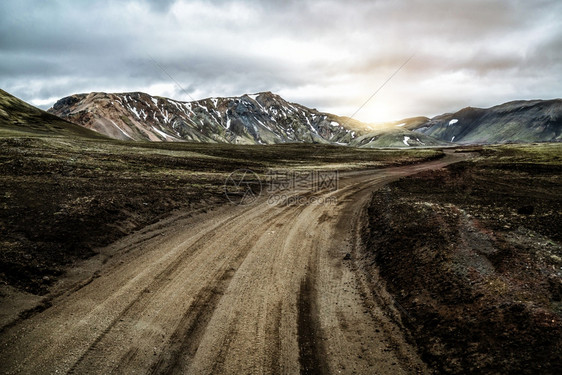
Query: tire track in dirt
{"points": [[185, 339], [315, 357], [260, 289], [208, 291], [310, 352], [159, 282], [353, 339], [63, 330], [188, 335]]}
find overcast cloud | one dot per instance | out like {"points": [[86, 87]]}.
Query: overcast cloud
{"points": [[329, 55]]}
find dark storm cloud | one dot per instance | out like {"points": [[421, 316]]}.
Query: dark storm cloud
{"points": [[326, 54]]}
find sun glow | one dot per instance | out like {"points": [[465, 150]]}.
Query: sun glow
{"points": [[380, 111]]}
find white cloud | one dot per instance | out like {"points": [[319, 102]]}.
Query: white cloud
{"points": [[327, 54]]}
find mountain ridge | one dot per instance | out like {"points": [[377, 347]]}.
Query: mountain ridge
{"points": [[267, 118], [515, 121], [262, 118]]}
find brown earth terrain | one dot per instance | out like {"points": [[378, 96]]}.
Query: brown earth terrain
{"points": [[472, 257], [129, 258], [61, 199], [262, 288]]}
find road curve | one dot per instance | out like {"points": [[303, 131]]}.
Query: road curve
{"points": [[258, 289]]}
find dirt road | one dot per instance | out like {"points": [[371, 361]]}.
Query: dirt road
{"points": [[251, 289]]}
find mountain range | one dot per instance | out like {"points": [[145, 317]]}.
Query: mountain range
{"points": [[266, 118], [262, 118]]}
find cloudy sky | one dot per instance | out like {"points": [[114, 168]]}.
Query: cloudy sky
{"points": [[329, 55]]}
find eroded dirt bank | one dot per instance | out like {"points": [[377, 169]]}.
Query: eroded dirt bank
{"points": [[472, 257]]}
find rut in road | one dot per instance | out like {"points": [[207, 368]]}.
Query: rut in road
{"points": [[243, 289]]}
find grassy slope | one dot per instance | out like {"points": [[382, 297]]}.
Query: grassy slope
{"points": [[394, 136], [18, 118]]}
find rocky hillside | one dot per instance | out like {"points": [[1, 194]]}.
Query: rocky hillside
{"points": [[518, 121], [263, 118]]}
